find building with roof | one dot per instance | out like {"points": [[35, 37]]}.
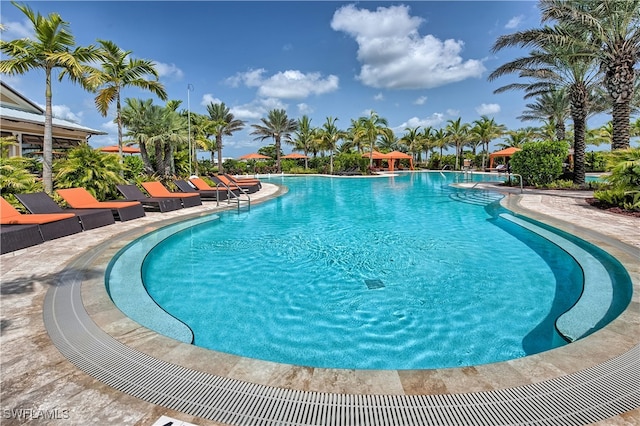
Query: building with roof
{"points": [[24, 119]]}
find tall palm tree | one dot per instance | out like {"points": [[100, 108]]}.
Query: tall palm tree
{"points": [[277, 126], [440, 140], [137, 116], [52, 48], [458, 135], [412, 139], [613, 40], [330, 135], [118, 71], [223, 124], [485, 130], [556, 65], [369, 128], [552, 107], [305, 138]]}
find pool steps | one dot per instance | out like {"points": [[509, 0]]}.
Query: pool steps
{"points": [[133, 298], [597, 293]]}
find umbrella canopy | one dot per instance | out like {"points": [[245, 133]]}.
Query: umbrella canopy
{"points": [[254, 156], [294, 156], [125, 149], [507, 153], [397, 155], [376, 155]]}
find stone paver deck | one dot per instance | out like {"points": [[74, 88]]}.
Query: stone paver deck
{"points": [[35, 375]]}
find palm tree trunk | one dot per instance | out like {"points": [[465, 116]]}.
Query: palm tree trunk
{"points": [[579, 110], [620, 120], [144, 154], [219, 145], [47, 142], [278, 154]]}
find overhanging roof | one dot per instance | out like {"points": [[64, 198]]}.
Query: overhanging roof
{"points": [[28, 117]]}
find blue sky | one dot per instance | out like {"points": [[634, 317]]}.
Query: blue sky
{"points": [[413, 63]]}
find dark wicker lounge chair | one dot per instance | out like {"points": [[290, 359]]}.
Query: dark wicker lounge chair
{"points": [[40, 202], [166, 204], [51, 225], [213, 194], [16, 237], [80, 198], [158, 190]]}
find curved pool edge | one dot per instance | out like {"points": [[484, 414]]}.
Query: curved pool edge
{"points": [[613, 340]]}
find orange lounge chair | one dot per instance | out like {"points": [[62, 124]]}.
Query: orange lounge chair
{"points": [[246, 187], [158, 190], [251, 181], [80, 198], [202, 185], [50, 225]]}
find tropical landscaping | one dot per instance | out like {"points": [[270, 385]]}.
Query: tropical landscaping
{"points": [[580, 63]]}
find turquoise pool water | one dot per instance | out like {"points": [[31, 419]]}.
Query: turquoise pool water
{"points": [[387, 273]]}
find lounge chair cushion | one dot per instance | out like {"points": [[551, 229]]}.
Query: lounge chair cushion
{"points": [[11, 216], [80, 198], [158, 190]]}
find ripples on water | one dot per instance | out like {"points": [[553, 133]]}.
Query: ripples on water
{"points": [[287, 280]]}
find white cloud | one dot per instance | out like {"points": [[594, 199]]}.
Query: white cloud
{"points": [[15, 30], [64, 112], [257, 109], [394, 55], [208, 98], [488, 109], [514, 22], [378, 97], [168, 70], [453, 112], [290, 84], [433, 120], [420, 101], [304, 108]]}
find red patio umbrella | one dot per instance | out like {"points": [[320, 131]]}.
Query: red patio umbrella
{"points": [[254, 156], [125, 149], [294, 156]]}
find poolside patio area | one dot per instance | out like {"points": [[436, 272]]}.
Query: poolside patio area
{"points": [[39, 381]]}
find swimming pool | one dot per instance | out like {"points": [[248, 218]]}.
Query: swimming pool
{"points": [[386, 273]]}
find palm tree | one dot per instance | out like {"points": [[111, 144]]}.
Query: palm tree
{"points": [[458, 135], [137, 117], [485, 130], [554, 66], [117, 72], [413, 140], [277, 126], [305, 138], [613, 40], [516, 138], [369, 128], [330, 135], [440, 140], [223, 123], [52, 48], [552, 107]]}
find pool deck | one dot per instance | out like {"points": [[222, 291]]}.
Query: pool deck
{"points": [[36, 376]]}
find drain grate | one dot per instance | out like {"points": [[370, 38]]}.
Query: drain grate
{"points": [[374, 284], [583, 397]]}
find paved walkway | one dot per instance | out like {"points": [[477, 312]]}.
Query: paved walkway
{"points": [[35, 376]]}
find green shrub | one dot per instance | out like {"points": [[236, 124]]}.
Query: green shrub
{"points": [[624, 180], [539, 163], [595, 161], [133, 167], [17, 177], [85, 167]]}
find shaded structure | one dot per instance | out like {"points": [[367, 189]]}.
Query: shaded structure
{"points": [[506, 153]]}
